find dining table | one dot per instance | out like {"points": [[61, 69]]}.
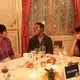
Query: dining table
{"points": [[17, 70]]}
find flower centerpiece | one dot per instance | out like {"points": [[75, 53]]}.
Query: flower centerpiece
{"points": [[51, 74]]}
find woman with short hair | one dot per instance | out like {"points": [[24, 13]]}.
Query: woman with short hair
{"points": [[6, 50]]}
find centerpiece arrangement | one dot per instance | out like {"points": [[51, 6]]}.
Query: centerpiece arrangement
{"points": [[50, 74]]}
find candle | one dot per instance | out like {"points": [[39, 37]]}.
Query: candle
{"points": [[33, 75]]}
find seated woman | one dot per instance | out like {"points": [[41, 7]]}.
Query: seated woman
{"points": [[6, 50], [75, 49], [40, 39], [5, 33]]}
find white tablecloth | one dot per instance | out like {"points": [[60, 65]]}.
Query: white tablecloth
{"points": [[20, 73]]}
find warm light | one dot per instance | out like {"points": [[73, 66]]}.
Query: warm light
{"points": [[33, 75], [43, 22]]}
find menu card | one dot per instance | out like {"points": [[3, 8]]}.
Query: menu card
{"points": [[70, 71]]}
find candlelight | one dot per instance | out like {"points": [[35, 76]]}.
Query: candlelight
{"points": [[33, 75]]}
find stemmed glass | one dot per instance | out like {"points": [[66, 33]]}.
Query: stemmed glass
{"points": [[33, 55], [4, 70], [56, 49], [42, 50]]}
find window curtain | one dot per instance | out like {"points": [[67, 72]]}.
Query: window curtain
{"points": [[26, 5], [76, 5]]}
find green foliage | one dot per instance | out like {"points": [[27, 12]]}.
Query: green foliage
{"points": [[51, 73]]}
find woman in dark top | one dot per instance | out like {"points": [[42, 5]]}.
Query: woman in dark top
{"points": [[40, 39], [75, 49]]}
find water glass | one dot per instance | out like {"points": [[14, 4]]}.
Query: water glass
{"points": [[26, 55], [33, 55], [42, 50], [56, 49]]}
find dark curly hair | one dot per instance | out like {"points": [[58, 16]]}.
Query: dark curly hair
{"points": [[2, 28]]}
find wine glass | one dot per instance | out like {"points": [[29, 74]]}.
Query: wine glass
{"points": [[42, 50], [5, 70], [56, 49], [33, 54]]}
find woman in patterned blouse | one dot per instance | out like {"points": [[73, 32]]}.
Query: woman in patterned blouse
{"points": [[6, 50]]}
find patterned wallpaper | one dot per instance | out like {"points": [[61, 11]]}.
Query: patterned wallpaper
{"points": [[57, 15]]}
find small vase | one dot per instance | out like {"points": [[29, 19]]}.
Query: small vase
{"points": [[51, 76]]}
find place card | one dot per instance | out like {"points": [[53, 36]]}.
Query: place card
{"points": [[70, 71]]}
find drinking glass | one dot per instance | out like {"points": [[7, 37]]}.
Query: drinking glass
{"points": [[56, 49], [42, 49], [26, 55], [33, 54], [5, 70]]}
